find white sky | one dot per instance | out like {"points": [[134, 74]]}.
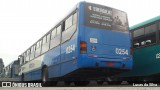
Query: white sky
{"points": [[23, 22]]}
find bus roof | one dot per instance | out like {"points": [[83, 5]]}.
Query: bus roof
{"points": [[145, 22]]}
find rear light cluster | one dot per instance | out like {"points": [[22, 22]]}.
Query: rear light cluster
{"points": [[83, 47]]}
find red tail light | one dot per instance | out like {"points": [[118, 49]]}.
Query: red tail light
{"points": [[83, 47]]}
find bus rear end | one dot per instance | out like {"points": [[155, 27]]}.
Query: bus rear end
{"points": [[104, 40]]}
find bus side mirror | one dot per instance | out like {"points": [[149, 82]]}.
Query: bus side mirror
{"points": [[148, 41], [136, 44]]}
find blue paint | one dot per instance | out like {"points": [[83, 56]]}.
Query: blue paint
{"points": [[60, 63]]}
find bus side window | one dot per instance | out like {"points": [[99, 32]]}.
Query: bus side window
{"points": [[38, 48], [150, 34], [144, 36], [70, 27], [32, 52], [45, 45], [53, 38], [58, 30], [68, 22], [138, 37], [44, 40], [75, 18], [48, 37], [56, 36], [53, 35], [138, 32], [27, 55]]}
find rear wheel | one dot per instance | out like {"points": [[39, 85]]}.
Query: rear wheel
{"points": [[81, 83], [67, 83], [130, 82], [114, 82], [99, 82], [53, 83]]}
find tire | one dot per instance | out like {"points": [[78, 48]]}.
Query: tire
{"points": [[81, 83], [22, 78], [114, 82], [130, 82], [45, 80], [53, 83], [99, 82], [45, 77], [67, 83]]}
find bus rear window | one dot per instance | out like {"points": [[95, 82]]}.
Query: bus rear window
{"points": [[103, 17]]}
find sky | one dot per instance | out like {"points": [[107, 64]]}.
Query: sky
{"points": [[23, 22]]}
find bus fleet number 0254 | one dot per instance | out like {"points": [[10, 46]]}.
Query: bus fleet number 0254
{"points": [[121, 51], [70, 49]]}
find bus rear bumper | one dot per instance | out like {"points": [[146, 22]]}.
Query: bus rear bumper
{"points": [[94, 73], [119, 64]]}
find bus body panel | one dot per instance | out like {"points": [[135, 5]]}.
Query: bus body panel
{"points": [[118, 63], [52, 60], [60, 64], [106, 43], [36, 74], [69, 55], [67, 60]]}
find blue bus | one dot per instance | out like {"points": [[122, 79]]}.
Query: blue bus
{"points": [[12, 70], [91, 43], [1, 68]]}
